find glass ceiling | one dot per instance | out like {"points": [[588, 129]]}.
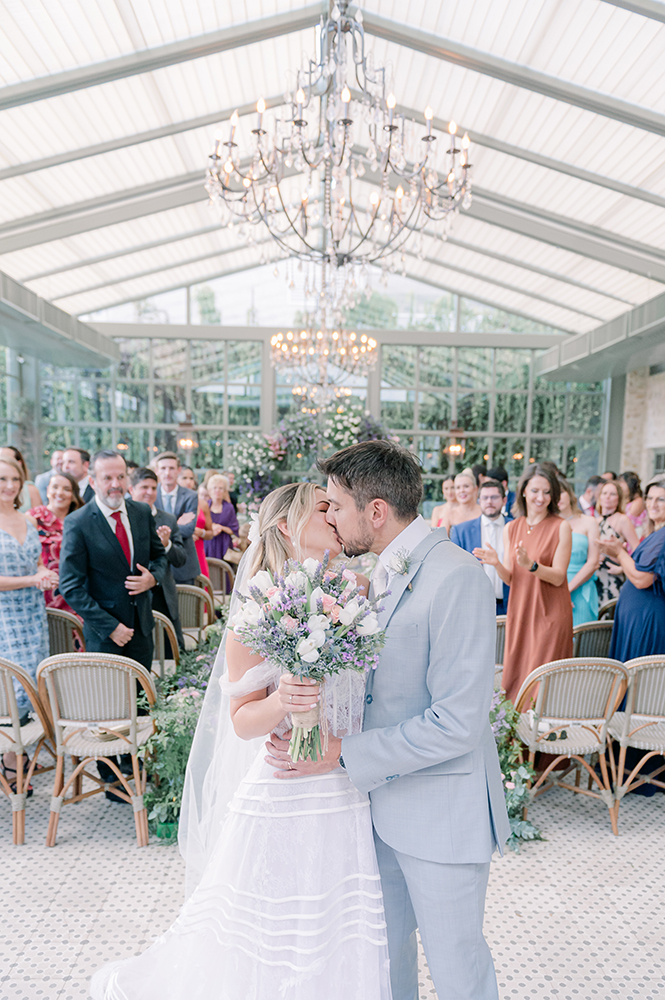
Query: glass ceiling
{"points": [[102, 153]]}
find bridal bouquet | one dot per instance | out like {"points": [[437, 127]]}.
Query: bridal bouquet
{"points": [[312, 622]]}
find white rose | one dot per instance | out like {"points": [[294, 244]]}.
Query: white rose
{"points": [[262, 581], [317, 623], [369, 625], [311, 567], [316, 596], [249, 614], [296, 579], [307, 650], [349, 612], [276, 598]]}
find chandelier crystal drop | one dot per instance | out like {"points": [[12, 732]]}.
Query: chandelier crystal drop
{"points": [[339, 176]]}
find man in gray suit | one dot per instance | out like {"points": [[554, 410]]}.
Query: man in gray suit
{"points": [[179, 501], [426, 755], [143, 489]]}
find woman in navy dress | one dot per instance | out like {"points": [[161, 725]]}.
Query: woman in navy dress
{"points": [[639, 620], [224, 520]]}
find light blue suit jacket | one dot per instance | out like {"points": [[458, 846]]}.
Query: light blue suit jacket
{"points": [[427, 755]]}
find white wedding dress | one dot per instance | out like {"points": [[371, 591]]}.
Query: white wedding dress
{"points": [[289, 905]]}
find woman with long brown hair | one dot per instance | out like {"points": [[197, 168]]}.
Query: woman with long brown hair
{"points": [[614, 523], [63, 497]]}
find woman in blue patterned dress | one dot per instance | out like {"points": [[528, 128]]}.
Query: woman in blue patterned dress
{"points": [[23, 578]]}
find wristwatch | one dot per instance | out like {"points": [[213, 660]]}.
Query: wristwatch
{"points": [[341, 762], [533, 567]]}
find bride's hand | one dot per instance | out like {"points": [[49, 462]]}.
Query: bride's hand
{"points": [[297, 696]]}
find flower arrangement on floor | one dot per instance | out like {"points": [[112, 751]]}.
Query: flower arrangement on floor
{"points": [[515, 772], [312, 622]]}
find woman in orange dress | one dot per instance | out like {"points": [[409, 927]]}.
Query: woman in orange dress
{"points": [[537, 547]]}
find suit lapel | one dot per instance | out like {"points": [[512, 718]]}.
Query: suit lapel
{"points": [[134, 524], [401, 581], [107, 532]]}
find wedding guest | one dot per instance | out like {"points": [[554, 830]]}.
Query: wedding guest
{"points": [[587, 501], [613, 523], [23, 580], [187, 478], [224, 520], [479, 473], [537, 547], [205, 529], [182, 502], [501, 475], [466, 497], [584, 557], [29, 493], [487, 529], [63, 498], [449, 501], [639, 619], [635, 508], [239, 545], [41, 481], [608, 476], [233, 494], [77, 462]]}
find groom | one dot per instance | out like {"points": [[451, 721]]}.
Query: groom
{"points": [[426, 756]]}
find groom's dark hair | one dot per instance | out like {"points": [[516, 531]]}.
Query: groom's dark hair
{"points": [[379, 470]]}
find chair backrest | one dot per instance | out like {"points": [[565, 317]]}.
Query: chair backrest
{"points": [[8, 706], [592, 638], [204, 583], [194, 603], [500, 639], [64, 632], [162, 632], [606, 611], [584, 689], [93, 688], [646, 692], [222, 576]]}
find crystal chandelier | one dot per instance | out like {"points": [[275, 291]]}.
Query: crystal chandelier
{"points": [[312, 352], [340, 177]]}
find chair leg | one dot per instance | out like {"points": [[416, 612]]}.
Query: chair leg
{"points": [[18, 815], [77, 787], [614, 808], [57, 791], [140, 817]]}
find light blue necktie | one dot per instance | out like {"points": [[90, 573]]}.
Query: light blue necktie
{"points": [[171, 501]]}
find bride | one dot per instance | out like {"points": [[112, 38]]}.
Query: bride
{"points": [[284, 898]]}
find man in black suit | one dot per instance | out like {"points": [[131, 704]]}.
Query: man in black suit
{"points": [[111, 558], [184, 505], [76, 461], [143, 489]]}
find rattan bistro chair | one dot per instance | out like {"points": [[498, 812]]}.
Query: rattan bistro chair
{"points": [[65, 632], [574, 702], [204, 583], [164, 636], [592, 638], [93, 707], [222, 578], [196, 611], [606, 611], [641, 725], [15, 738]]}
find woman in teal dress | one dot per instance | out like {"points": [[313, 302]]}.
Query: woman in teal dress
{"points": [[584, 558]]}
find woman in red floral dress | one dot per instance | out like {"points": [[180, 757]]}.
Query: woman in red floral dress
{"points": [[63, 497]]}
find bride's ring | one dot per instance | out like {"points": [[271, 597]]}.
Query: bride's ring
{"points": [[291, 699]]}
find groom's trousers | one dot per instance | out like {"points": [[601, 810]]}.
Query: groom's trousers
{"points": [[446, 903]]}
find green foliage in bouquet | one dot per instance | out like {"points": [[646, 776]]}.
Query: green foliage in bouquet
{"points": [[176, 713], [515, 773]]}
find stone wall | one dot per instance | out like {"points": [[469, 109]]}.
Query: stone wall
{"points": [[643, 421]]}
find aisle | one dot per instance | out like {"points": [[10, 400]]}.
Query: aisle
{"points": [[577, 918]]}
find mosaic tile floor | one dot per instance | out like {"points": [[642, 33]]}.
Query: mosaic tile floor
{"points": [[579, 917]]}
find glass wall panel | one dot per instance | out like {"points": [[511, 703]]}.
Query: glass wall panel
{"points": [[474, 367], [134, 358], [548, 450], [512, 368], [94, 401], [169, 359], [134, 444], [244, 361], [585, 414], [58, 402], [473, 411], [244, 405], [510, 413], [131, 402], [548, 414], [437, 366], [169, 404], [210, 452], [208, 404], [476, 453], [434, 410], [167, 440], [208, 360], [398, 365], [397, 407], [509, 452], [94, 438]]}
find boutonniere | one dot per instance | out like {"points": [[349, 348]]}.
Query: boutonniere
{"points": [[400, 562]]}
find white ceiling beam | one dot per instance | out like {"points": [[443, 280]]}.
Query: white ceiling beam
{"points": [[654, 9], [148, 60], [516, 74]]}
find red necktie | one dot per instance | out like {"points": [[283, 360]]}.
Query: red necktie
{"points": [[121, 535]]}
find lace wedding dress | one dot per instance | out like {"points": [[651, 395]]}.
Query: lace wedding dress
{"points": [[290, 903]]}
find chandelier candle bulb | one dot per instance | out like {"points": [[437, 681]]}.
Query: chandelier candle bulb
{"points": [[429, 114]]}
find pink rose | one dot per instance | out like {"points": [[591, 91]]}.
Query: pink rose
{"points": [[270, 591], [510, 784], [328, 602], [334, 612], [348, 574], [288, 622]]}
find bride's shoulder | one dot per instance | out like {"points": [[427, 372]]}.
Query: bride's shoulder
{"points": [[239, 659]]}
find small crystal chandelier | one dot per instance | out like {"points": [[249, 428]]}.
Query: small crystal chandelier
{"points": [[340, 177], [314, 351]]}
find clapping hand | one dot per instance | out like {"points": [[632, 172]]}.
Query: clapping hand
{"points": [[164, 533], [187, 517], [488, 556], [611, 547], [138, 584], [523, 558]]}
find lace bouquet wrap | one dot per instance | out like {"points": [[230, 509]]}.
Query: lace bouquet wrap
{"points": [[312, 622]]}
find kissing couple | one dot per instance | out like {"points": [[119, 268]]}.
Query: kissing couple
{"points": [[308, 880]]}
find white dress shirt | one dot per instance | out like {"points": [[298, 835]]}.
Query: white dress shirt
{"points": [[492, 531], [108, 512], [586, 506], [169, 499], [404, 543]]}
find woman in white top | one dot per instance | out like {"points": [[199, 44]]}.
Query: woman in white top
{"points": [[466, 497]]}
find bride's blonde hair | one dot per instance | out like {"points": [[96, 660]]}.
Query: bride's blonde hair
{"points": [[293, 504]]}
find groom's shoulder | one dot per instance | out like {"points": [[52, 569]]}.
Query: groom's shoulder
{"points": [[443, 556]]}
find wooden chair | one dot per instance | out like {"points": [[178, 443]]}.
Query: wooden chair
{"points": [[606, 611], [592, 638], [641, 725], [196, 611], [222, 578], [65, 632], [93, 706], [15, 738], [574, 702], [204, 583], [163, 634], [500, 639]]}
